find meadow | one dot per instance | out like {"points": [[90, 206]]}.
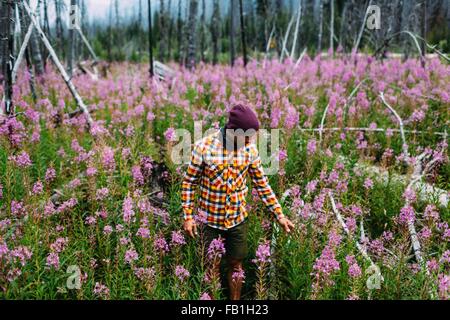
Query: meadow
{"points": [[95, 212]]}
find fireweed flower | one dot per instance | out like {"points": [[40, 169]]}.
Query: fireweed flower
{"points": [[205, 296], [216, 249], [90, 220], [38, 187], [101, 194], [22, 160], [354, 271], [59, 245], [138, 178], [410, 195], [107, 230], [91, 171], [433, 265], [311, 147], [101, 291], [238, 275], [109, 164], [131, 256], [143, 232], [127, 209], [368, 184], [147, 275], [17, 209], [311, 186], [126, 153], [431, 212], [67, 205], [123, 240], [21, 254], [406, 215], [262, 254], [181, 273], [444, 286], [170, 135], [102, 214], [445, 257], [160, 244], [53, 260], [50, 175], [177, 239], [324, 266]]}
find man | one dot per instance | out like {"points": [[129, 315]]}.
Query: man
{"points": [[219, 166]]}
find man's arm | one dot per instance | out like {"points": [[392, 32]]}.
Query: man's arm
{"points": [[261, 184], [190, 182], [266, 193]]}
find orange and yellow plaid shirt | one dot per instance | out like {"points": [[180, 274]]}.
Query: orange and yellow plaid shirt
{"points": [[220, 177]]}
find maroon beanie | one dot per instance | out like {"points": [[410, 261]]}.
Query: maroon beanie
{"points": [[242, 117]]}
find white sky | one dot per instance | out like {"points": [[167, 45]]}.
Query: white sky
{"points": [[98, 10]]}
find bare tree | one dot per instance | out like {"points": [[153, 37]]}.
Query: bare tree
{"points": [[150, 38], [202, 32], [162, 31], [215, 30], [424, 25], [180, 42], [170, 31], [244, 43], [332, 26], [191, 34], [232, 32], [7, 38], [28, 45], [320, 34], [59, 26], [46, 24], [72, 35]]}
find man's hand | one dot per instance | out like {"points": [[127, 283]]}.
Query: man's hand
{"points": [[190, 227], [286, 224]]}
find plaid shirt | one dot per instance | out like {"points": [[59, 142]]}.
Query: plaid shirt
{"points": [[221, 178]]}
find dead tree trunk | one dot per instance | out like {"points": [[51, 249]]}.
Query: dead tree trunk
{"points": [[162, 31], [7, 38], [180, 45], [319, 38], [215, 31], [191, 30], [150, 38], [71, 56], [424, 26], [243, 37], [27, 32], [332, 26], [59, 27], [202, 32], [170, 30], [232, 32], [36, 54]]}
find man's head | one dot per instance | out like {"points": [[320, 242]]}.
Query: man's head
{"points": [[243, 118], [241, 126]]}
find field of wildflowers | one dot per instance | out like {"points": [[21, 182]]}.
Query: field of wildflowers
{"points": [[95, 212]]}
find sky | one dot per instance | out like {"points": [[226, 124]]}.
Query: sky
{"points": [[98, 10]]}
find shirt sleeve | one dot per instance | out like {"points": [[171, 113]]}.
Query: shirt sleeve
{"points": [[263, 188], [190, 182]]}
